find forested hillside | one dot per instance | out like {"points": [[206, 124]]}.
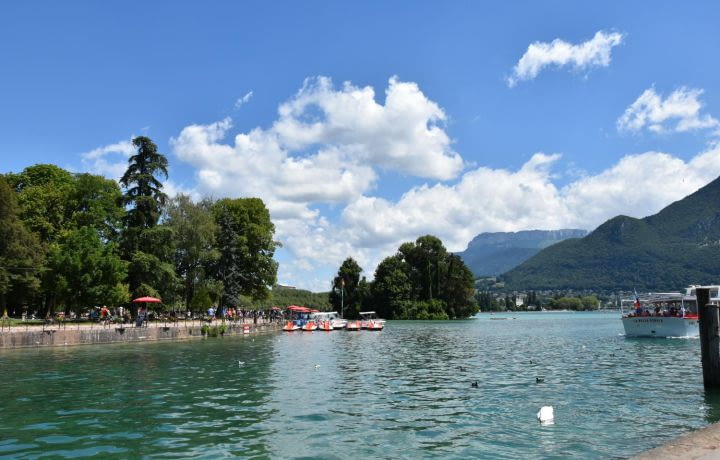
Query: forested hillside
{"points": [[676, 247]]}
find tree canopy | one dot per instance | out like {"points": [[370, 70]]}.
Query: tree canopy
{"points": [[421, 281], [72, 241]]}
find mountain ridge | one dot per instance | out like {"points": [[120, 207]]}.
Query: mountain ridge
{"points": [[493, 253], [678, 246]]}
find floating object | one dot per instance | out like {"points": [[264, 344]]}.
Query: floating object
{"points": [[546, 415], [539, 379], [317, 366], [241, 363], [462, 369], [310, 326], [474, 384], [291, 326]]}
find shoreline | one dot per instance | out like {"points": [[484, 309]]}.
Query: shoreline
{"points": [[18, 337]]}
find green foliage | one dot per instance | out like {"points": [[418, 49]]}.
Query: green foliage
{"points": [[423, 281], [194, 234], [284, 297], [345, 296], [143, 191], [43, 193], [674, 248], [21, 256], [85, 272], [245, 242], [201, 301], [213, 331], [573, 303], [148, 247]]}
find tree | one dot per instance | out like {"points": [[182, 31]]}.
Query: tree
{"points": [[345, 291], [86, 272], [458, 289], [21, 256], [43, 193], [194, 232], [245, 242], [96, 202], [423, 281], [392, 286], [143, 191], [147, 248]]}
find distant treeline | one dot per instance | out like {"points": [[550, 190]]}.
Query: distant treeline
{"points": [[72, 241], [284, 297], [489, 301]]}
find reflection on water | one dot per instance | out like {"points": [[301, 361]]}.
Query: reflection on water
{"points": [[404, 392]]}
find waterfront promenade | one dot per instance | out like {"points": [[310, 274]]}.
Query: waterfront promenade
{"points": [[91, 333], [701, 444]]}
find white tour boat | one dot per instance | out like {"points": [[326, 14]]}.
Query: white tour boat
{"points": [[667, 314]]}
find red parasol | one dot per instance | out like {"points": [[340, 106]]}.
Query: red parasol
{"points": [[147, 300]]}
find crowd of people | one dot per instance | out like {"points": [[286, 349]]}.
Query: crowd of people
{"points": [[658, 311]]}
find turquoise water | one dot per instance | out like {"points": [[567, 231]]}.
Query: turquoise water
{"points": [[404, 392]]}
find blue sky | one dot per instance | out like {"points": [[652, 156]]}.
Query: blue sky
{"points": [[441, 144]]}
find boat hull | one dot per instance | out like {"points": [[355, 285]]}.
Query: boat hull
{"points": [[660, 326]]}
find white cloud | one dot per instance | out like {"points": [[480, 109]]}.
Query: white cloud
{"points": [[485, 199], [404, 134], [243, 100], [502, 200], [323, 148], [328, 146], [559, 53], [110, 160], [678, 112]]}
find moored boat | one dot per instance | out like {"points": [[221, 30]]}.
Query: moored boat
{"points": [[353, 325], [325, 320], [310, 325], [370, 321], [290, 326]]}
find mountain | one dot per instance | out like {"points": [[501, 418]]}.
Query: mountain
{"points": [[676, 247], [494, 253]]}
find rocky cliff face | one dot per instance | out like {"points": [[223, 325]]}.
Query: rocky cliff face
{"points": [[498, 252]]}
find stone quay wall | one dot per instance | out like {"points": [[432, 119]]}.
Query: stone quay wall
{"points": [[58, 336]]}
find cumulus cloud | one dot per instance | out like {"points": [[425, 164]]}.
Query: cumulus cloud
{"points": [[678, 112], [502, 200], [110, 160], [485, 199], [243, 100], [324, 147], [328, 146], [559, 53]]}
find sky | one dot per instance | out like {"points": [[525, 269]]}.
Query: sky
{"points": [[363, 125]]}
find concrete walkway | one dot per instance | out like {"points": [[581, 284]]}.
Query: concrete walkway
{"points": [[702, 444]]}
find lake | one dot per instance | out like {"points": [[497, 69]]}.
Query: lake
{"points": [[404, 392]]}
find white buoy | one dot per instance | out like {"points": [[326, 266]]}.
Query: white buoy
{"points": [[545, 415], [317, 366]]}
